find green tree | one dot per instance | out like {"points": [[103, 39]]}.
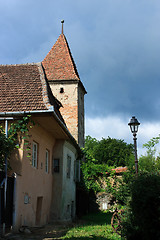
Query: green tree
{"points": [[90, 145], [93, 173], [111, 151], [150, 162], [100, 158], [8, 144]]}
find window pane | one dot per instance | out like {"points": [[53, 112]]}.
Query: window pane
{"points": [[47, 162], [34, 155], [56, 165]]}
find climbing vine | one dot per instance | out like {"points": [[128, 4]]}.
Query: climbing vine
{"points": [[18, 129]]}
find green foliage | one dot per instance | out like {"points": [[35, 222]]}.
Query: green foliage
{"points": [[151, 146], [8, 144], [93, 172], [142, 219], [110, 151], [100, 158], [119, 187], [149, 162]]}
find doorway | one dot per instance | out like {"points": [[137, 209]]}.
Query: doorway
{"points": [[39, 210]]}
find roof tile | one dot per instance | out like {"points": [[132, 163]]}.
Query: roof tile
{"points": [[59, 63], [20, 88]]}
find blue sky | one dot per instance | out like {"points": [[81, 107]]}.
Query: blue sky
{"points": [[116, 47]]}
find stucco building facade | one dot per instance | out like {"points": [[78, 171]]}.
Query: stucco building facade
{"points": [[51, 92]]}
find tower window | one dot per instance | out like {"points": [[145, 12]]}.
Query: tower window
{"points": [[61, 90]]}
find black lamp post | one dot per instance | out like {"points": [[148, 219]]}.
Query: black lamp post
{"points": [[134, 124]]}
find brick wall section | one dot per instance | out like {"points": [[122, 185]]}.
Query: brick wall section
{"points": [[71, 118], [69, 100]]}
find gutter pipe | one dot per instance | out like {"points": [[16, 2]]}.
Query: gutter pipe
{"points": [[51, 110]]}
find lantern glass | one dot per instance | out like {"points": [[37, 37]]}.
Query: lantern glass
{"points": [[134, 125]]}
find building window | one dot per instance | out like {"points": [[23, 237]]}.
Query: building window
{"points": [[35, 155], [68, 166], [47, 162], [56, 165]]}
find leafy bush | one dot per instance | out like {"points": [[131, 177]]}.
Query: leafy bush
{"points": [[93, 173], [119, 187], [142, 220]]}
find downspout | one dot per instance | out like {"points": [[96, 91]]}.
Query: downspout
{"points": [[14, 200]]}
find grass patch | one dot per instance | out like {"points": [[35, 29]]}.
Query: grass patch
{"points": [[95, 226]]}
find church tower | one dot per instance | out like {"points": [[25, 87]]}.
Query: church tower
{"points": [[65, 83]]}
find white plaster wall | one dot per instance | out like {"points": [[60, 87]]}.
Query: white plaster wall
{"points": [[64, 189], [69, 185]]}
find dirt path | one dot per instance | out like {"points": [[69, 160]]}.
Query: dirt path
{"points": [[49, 232]]}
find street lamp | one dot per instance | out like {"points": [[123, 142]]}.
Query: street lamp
{"points": [[134, 129]]}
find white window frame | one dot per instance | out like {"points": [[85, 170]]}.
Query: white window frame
{"points": [[35, 154], [47, 161]]}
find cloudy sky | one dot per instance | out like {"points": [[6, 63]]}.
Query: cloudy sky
{"points": [[116, 47]]}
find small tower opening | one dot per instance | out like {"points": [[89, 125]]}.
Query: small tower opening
{"points": [[61, 90]]}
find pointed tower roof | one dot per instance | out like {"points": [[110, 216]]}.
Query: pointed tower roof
{"points": [[59, 63]]}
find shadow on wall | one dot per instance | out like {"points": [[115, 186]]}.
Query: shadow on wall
{"points": [[6, 217]]}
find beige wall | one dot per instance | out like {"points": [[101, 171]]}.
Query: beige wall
{"points": [[32, 183], [53, 194]]}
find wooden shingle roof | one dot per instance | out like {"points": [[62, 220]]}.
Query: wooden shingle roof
{"points": [[59, 63]]}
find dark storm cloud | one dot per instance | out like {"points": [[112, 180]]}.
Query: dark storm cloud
{"points": [[115, 44]]}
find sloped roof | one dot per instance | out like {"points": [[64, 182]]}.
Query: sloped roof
{"points": [[23, 88], [59, 63]]}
